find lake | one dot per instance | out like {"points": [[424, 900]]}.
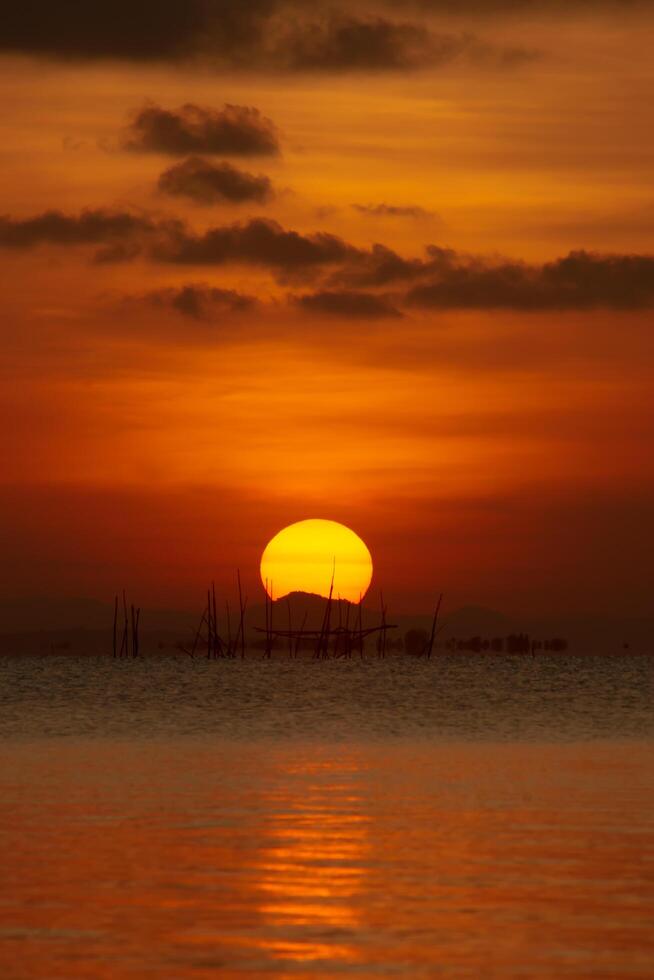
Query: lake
{"points": [[468, 816]]}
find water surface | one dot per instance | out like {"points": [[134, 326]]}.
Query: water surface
{"points": [[466, 817]]}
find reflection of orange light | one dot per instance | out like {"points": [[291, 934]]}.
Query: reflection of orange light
{"points": [[308, 555], [313, 870]]}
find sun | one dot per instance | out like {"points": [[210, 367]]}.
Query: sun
{"points": [[304, 556]]}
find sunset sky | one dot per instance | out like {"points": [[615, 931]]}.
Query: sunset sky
{"points": [[389, 264]]}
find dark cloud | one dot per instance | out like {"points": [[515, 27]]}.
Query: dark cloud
{"points": [[343, 43], [202, 302], [579, 281], [346, 43], [493, 8], [248, 34], [380, 266], [258, 242], [394, 211], [442, 279], [348, 303], [234, 130], [144, 30], [212, 183], [87, 228], [445, 279]]}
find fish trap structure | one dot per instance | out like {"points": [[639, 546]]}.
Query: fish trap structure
{"points": [[341, 641], [341, 634], [207, 638]]}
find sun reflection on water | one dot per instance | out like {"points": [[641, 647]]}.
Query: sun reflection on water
{"points": [[311, 874]]}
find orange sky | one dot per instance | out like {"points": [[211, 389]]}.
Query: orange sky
{"points": [[482, 417]]}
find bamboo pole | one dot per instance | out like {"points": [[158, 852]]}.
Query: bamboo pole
{"points": [[124, 646], [198, 633], [115, 627], [243, 641], [290, 628], [430, 645], [348, 635], [229, 630], [136, 631], [360, 625], [209, 626], [267, 624], [328, 614], [318, 650], [217, 645], [242, 612]]}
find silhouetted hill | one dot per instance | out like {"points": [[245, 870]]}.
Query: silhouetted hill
{"points": [[308, 608]]}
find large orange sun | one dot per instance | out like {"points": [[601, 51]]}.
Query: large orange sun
{"points": [[304, 556]]}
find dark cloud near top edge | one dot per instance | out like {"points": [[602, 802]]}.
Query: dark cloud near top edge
{"points": [[250, 34], [489, 9], [231, 131], [342, 43], [140, 30]]}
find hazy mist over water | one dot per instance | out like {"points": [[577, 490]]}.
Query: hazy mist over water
{"points": [[464, 817]]}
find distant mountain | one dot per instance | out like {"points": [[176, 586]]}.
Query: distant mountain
{"points": [[309, 609]]}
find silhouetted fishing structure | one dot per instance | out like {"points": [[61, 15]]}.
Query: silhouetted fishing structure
{"points": [[207, 636], [341, 634], [329, 641]]}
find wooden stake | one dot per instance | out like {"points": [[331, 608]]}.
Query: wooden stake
{"points": [[348, 635], [328, 613], [209, 626], [242, 611], [198, 633], [124, 646], [290, 628], [229, 630], [136, 632], [430, 645], [360, 625], [217, 645], [115, 627]]}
